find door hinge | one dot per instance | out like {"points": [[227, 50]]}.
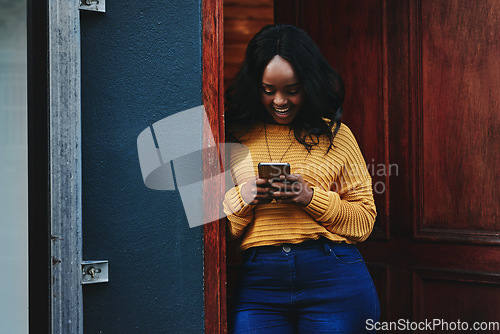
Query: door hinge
{"points": [[94, 272], [93, 5]]}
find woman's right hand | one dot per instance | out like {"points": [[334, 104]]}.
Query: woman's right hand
{"points": [[257, 191]]}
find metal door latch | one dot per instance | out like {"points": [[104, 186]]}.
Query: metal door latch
{"points": [[94, 272], [93, 5]]}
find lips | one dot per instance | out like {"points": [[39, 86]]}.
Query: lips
{"points": [[283, 114], [282, 111]]}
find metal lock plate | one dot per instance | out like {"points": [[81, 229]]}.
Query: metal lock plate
{"points": [[94, 272], [93, 5]]}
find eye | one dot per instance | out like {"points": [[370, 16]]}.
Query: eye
{"points": [[294, 90], [268, 92]]}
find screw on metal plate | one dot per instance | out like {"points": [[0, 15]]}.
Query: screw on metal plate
{"points": [[94, 272], [93, 5]]}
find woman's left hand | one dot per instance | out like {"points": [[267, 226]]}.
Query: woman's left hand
{"points": [[292, 189]]}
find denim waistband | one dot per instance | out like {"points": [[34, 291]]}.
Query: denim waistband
{"points": [[321, 243]]}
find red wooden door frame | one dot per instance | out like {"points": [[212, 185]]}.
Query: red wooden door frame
{"points": [[213, 100]]}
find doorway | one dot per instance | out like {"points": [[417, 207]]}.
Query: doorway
{"points": [[409, 76]]}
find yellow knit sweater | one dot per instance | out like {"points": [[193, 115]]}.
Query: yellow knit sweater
{"points": [[342, 207]]}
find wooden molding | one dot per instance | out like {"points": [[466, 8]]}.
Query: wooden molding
{"points": [[213, 100]]}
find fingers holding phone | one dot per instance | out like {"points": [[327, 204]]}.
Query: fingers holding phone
{"points": [[257, 191], [292, 189], [276, 182]]}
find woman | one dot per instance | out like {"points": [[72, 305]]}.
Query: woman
{"points": [[301, 272]]}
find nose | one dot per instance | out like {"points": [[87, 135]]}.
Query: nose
{"points": [[279, 100]]}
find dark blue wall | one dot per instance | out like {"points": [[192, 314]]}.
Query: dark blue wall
{"points": [[141, 62]]}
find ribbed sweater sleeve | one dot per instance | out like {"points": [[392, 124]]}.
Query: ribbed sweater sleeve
{"points": [[238, 212], [348, 209]]}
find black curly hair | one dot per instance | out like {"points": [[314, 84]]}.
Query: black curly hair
{"points": [[323, 87]]}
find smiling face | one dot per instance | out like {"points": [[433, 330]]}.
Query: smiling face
{"points": [[282, 94]]}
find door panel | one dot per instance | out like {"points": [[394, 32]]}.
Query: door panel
{"points": [[439, 292], [422, 99], [458, 103]]}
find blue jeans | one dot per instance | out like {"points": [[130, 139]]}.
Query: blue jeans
{"points": [[314, 287]]}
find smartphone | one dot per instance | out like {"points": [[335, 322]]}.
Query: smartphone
{"points": [[271, 170]]}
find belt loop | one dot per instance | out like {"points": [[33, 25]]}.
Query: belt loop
{"points": [[328, 248]]}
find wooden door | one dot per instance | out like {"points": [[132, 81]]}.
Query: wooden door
{"points": [[423, 100]]}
